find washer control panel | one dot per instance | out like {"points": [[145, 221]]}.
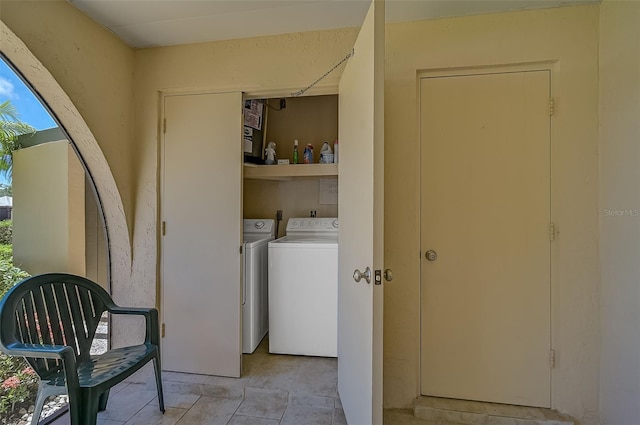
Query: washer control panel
{"points": [[312, 225]]}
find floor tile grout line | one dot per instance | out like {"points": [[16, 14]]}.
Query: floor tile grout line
{"points": [[142, 408], [240, 404]]}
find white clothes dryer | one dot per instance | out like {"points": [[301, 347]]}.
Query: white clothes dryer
{"points": [[255, 291], [303, 289]]}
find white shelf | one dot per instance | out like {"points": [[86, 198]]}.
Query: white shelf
{"points": [[289, 171]]}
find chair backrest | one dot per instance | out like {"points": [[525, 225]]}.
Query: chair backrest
{"points": [[53, 309]]}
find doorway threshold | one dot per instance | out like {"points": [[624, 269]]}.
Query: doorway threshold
{"points": [[464, 412]]}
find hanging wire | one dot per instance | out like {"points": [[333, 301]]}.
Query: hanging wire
{"points": [[346, 58]]}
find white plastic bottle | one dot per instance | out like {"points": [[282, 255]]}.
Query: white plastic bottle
{"points": [[335, 152]]}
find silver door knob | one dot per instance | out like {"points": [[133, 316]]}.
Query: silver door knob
{"points": [[358, 275], [388, 275], [431, 255]]}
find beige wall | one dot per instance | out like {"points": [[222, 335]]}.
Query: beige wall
{"points": [[48, 209], [296, 198], [94, 68], [76, 209], [568, 37], [619, 211], [312, 119], [95, 240]]}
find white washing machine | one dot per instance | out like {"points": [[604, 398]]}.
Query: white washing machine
{"points": [[255, 292], [303, 289]]}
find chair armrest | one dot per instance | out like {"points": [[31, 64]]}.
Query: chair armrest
{"points": [[55, 352], [152, 335], [116, 309]]}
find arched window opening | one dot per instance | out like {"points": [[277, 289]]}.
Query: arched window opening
{"points": [[51, 220]]}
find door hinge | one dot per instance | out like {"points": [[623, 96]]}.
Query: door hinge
{"points": [[552, 231], [164, 125], [552, 358], [552, 106], [240, 249], [164, 228], [162, 331]]}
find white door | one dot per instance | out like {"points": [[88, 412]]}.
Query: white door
{"points": [[486, 305], [360, 209], [202, 209]]}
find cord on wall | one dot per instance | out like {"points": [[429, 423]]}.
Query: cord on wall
{"points": [[346, 58]]}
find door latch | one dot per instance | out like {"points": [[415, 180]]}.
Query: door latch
{"points": [[388, 275]]}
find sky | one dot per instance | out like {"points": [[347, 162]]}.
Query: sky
{"points": [[30, 110]]}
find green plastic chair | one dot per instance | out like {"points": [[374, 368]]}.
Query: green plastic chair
{"points": [[51, 321]]}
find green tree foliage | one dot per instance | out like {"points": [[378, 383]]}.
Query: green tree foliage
{"points": [[9, 276], [18, 382], [6, 232], [6, 190], [6, 252], [10, 128]]}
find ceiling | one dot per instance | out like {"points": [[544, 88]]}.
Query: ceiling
{"points": [[149, 23]]}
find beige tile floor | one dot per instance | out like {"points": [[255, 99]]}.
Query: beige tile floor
{"points": [[406, 417], [274, 390]]}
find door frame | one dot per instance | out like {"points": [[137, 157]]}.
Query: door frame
{"points": [[483, 69]]}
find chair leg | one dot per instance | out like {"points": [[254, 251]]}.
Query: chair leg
{"points": [[90, 409], [102, 403], [44, 391], [76, 407], [40, 399], [158, 371]]}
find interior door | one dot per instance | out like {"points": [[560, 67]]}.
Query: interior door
{"points": [[202, 209], [360, 208], [486, 306]]}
